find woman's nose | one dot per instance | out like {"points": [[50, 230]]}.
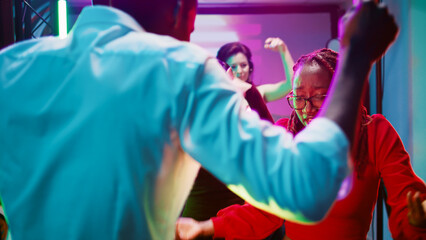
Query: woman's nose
{"points": [[239, 69], [309, 108]]}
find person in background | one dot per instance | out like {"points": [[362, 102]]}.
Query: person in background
{"points": [[254, 99], [99, 130], [239, 57], [378, 154]]}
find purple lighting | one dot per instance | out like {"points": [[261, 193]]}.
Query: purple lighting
{"points": [[345, 188]]}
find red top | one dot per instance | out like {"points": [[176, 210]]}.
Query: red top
{"points": [[350, 217]]}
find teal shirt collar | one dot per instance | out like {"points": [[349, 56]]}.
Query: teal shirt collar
{"points": [[103, 14]]}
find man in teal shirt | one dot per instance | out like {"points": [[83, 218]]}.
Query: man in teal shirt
{"points": [[99, 131]]}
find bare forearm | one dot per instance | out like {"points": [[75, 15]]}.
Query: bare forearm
{"points": [[346, 91], [207, 228], [288, 63], [365, 32], [272, 92]]}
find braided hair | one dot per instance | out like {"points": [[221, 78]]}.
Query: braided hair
{"points": [[327, 59]]}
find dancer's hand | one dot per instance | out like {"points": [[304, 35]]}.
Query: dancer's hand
{"points": [[188, 228], [367, 29], [416, 210], [275, 44]]}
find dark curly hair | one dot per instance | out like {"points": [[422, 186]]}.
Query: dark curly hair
{"points": [[230, 49], [327, 59]]}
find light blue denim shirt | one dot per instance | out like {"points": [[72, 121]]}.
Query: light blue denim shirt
{"points": [[99, 132]]}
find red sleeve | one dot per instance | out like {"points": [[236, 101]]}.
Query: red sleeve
{"points": [[283, 122], [394, 165], [244, 222]]}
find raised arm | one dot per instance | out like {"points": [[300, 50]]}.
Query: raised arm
{"points": [[275, 91], [365, 32]]}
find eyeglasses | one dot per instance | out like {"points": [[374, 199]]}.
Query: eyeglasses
{"points": [[299, 103]]}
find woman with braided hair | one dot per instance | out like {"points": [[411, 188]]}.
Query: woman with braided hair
{"points": [[378, 153]]}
